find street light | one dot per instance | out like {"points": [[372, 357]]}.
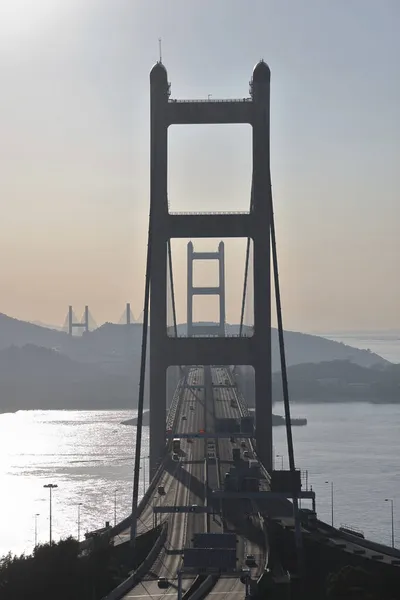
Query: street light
{"points": [[36, 516], [281, 457], [50, 487], [391, 502], [115, 506], [331, 482], [79, 520], [144, 458]]}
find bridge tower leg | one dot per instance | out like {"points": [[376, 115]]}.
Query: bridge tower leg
{"points": [[256, 350], [86, 319], [218, 329], [78, 324], [70, 320]]}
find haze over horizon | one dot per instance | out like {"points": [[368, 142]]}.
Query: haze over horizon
{"points": [[75, 151]]}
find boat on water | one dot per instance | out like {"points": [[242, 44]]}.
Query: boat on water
{"points": [[295, 421]]}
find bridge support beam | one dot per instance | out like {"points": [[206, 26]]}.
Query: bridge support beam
{"points": [[256, 351]]}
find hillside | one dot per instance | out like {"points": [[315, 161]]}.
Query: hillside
{"points": [[338, 381], [45, 368], [32, 377], [117, 347]]}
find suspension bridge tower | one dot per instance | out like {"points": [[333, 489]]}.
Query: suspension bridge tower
{"points": [[219, 290], [73, 324], [167, 351]]}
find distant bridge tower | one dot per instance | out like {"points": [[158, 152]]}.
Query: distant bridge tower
{"points": [[84, 324], [256, 350], [206, 330], [128, 313]]}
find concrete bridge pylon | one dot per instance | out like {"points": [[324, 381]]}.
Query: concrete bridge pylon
{"points": [[167, 351]]}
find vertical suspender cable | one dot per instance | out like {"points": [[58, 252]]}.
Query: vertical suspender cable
{"points": [[171, 279], [246, 272], [139, 427], [285, 387]]}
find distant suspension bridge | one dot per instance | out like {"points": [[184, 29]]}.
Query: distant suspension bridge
{"points": [[76, 326]]}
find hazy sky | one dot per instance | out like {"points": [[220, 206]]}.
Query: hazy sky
{"points": [[74, 150]]}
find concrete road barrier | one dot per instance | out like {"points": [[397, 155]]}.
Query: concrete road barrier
{"points": [[129, 583]]}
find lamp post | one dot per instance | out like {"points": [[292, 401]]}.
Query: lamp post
{"points": [[331, 482], [115, 506], [281, 457], [392, 513], [51, 487], [79, 521], [36, 516], [144, 458]]}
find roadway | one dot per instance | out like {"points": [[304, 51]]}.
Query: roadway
{"points": [[239, 516], [184, 485], [187, 482], [210, 394]]}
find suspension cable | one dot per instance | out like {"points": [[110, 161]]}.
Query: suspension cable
{"points": [[139, 426], [246, 269], [285, 388], [246, 272], [171, 279]]}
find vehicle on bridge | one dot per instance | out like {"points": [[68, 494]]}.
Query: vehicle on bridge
{"points": [[250, 560], [163, 583], [176, 445], [236, 454]]}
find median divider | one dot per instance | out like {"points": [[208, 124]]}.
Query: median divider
{"points": [[265, 530], [204, 588], [142, 570], [195, 585]]}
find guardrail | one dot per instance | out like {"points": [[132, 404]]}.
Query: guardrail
{"points": [[141, 571], [194, 587], [204, 588], [244, 412], [172, 413], [122, 525], [210, 101], [214, 212], [365, 543], [265, 530]]}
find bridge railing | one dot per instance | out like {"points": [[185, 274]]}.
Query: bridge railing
{"points": [[173, 409], [129, 583], [122, 525], [214, 212], [210, 101], [244, 412]]}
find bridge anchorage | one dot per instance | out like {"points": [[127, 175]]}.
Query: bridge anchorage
{"points": [[229, 524]]}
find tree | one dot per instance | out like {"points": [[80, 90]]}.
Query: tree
{"points": [[351, 583], [60, 571]]}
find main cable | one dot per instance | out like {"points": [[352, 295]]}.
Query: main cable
{"points": [[139, 427], [285, 389]]}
